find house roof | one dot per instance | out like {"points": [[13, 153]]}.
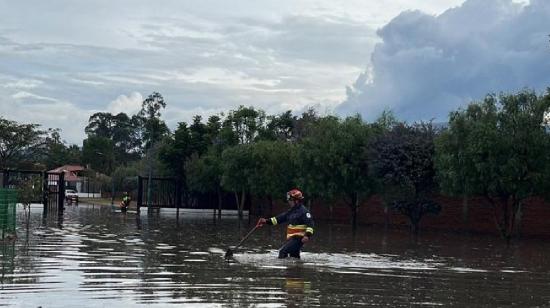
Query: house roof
{"points": [[70, 172], [70, 168]]}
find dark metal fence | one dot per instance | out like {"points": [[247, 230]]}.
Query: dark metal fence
{"points": [[50, 186], [54, 189], [165, 193], [17, 178], [169, 192]]}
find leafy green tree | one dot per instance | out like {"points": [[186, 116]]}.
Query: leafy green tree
{"points": [[333, 162], [273, 169], [302, 126], [403, 160], [246, 123], [153, 127], [100, 124], [213, 128], [20, 143], [29, 190], [278, 127], [56, 153], [122, 130], [237, 166], [503, 152], [314, 160], [176, 149], [199, 136], [98, 153], [124, 177], [126, 137], [204, 175]]}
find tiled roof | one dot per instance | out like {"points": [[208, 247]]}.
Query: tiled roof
{"points": [[70, 172], [71, 168]]}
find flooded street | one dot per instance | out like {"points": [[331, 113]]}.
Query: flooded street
{"points": [[93, 257]]}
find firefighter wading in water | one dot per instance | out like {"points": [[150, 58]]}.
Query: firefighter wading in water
{"points": [[300, 224]]}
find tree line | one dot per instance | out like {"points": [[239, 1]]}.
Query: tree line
{"points": [[496, 148]]}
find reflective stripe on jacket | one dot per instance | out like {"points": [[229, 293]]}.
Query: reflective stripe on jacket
{"points": [[299, 221]]}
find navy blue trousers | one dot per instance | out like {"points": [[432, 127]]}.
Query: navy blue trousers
{"points": [[291, 248]]}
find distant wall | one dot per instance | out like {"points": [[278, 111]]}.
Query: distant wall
{"points": [[535, 220], [89, 195]]}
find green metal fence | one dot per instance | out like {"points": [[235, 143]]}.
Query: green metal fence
{"points": [[8, 202]]}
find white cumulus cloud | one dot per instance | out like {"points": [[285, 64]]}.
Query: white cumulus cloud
{"points": [[130, 104], [428, 65]]}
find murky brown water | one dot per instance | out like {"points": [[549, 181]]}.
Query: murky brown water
{"points": [[95, 258]]}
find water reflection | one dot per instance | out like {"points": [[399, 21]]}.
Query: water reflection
{"points": [[93, 257]]}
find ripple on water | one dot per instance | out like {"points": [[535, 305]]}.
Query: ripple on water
{"points": [[336, 261]]}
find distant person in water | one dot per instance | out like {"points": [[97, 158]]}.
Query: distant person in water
{"points": [[125, 203], [300, 224]]}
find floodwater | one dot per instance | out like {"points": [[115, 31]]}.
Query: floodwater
{"points": [[92, 257]]}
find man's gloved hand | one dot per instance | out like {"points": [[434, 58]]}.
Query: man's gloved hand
{"points": [[261, 222]]}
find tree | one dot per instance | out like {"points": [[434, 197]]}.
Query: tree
{"points": [[279, 127], [99, 153], [204, 175], [237, 167], [153, 130], [503, 153], [199, 136], [56, 153], [126, 137], [273, 169], [29, 189], [121, 129], [19, 143], [176, 149], [153, 127], [245, 123], [124, 177], [100, 124], [403, 160], [333, 162], [302, 126]]}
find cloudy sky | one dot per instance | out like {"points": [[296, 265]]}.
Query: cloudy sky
{"points": [[62, 60]]}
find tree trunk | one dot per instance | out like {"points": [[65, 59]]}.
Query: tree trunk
{"points": [[519, 214], [415, 229], [501, 214], [506, 218], [270, 206], [386, 215], [241, 204], [465, 209], [354, 209], [237, 200], [220, 200]]}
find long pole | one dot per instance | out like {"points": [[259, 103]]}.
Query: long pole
{"points": [[149, 180]]}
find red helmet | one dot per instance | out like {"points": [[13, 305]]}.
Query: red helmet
{"points": [[294, 194]]}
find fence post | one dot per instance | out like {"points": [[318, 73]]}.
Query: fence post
{"points": [[178, 194], [61, 192], [5, 179], [45, 190], [140, 193]]}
